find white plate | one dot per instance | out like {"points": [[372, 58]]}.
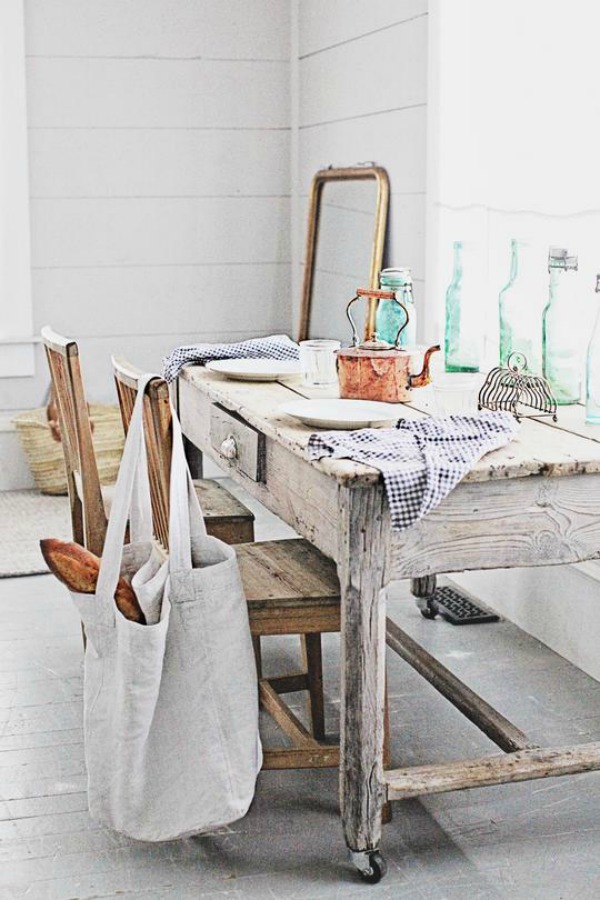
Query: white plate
{"points": [[255, 369], [345, 414]]}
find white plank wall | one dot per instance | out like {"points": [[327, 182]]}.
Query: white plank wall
{"points": [[157, 93], [159, 167], [159, 28], [362, 76]]}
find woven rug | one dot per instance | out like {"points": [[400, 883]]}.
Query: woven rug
{"points": [[25, 517]]}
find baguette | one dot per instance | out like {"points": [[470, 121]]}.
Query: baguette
{"points": [[78, 569]]}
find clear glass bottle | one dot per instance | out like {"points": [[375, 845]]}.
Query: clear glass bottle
{"points": [[389, 316], [463, 336], [519, 308], [592, 372], [561, 344]]}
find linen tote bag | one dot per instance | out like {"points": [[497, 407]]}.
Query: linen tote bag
{"points": [[170, 707]]}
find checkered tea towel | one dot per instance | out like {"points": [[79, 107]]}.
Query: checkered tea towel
{"points": [[420, 461], [276, 346]]}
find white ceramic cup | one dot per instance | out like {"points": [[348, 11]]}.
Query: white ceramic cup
{"points": [[318, 363], [456, 393]]}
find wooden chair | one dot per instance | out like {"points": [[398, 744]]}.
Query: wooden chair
{"points": [[291, 588], [224, 515], [87, 503]]}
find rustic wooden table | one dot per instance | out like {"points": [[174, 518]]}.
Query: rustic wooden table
{"points": [[528, 504]]}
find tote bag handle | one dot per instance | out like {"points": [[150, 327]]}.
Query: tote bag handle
{"points": [[186, 520], [131, 502]]}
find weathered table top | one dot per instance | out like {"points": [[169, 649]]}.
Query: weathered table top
{"points": [[542, 447]]}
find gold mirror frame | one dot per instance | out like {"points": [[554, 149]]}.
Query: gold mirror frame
{"points": [[351, 173]]}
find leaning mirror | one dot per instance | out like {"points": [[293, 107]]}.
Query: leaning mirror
{"points": [[347, 221]]}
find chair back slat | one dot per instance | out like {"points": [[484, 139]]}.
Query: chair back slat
{"points": [[88, 519], [157, 430]]}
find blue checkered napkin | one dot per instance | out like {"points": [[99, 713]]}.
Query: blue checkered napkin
{"points": [[276, 346], [420, 461]]}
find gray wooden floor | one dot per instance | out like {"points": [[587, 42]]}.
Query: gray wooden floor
{"points": [[531, 840]]}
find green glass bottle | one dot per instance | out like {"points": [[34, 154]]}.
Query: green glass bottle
{"points": [[390, 316], [519, 308], [461, 342], [562, 352], [592, 372]]}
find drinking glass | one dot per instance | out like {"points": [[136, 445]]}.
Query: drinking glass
{"points": [[318, 363]]}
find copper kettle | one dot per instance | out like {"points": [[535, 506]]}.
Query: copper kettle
{"points": [[376, 370]]}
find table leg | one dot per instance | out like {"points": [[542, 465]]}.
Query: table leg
{"points": [[361, 563], [194, 458], [193, 454]]}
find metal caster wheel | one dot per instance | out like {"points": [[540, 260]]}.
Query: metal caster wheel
{"points": [[427, 607], [370, 864]]}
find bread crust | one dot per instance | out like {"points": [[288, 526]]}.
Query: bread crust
{"points": [[78, 569]]}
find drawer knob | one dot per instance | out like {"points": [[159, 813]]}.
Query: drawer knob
{"points": [[229, 448]]}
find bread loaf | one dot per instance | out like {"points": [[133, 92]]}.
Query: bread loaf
{"points": [[78, 569]]}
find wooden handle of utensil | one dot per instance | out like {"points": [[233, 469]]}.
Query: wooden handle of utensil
{"points": [[377, 295]]}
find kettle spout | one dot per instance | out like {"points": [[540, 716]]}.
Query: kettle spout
{"points": [[423, 378]]}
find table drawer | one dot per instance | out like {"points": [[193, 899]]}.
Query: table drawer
{"points": [[238, 444]]}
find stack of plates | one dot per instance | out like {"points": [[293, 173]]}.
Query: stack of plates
{"points": [[255, 369]]}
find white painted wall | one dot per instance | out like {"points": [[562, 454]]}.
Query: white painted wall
{"points": [[359, 72], [160, 160], [512, 154], [16, 355], [159, 168]]}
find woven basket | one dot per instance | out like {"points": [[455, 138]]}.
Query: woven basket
{"points": [[45, 455]]}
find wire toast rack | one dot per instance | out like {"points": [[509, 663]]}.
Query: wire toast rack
{"points": [[510, 389]]}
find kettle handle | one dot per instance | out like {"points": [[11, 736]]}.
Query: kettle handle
{"points": [[376, 295]]}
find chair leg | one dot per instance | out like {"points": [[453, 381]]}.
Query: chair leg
{"points": [[313, 666], [257, 654]]}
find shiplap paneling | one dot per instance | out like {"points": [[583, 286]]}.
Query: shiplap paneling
{"points": [[387, 72], [17, 315], [159, 231], [159, 157], [395, 140], [363, 92], [226, 29], [197, 298], [158, 163], [324, 25], [132, 93], [407, 232]]}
